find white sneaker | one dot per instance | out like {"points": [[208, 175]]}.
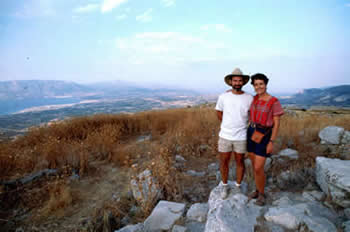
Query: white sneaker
{"points": [[225, 191], [237, 185]]}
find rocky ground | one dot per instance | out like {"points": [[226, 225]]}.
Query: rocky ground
{"points": [[311, 199], [303, 198]]}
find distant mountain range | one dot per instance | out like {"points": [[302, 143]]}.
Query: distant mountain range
{"points": [[331, 96], [41, 89], [16, 96], [22, 94]]}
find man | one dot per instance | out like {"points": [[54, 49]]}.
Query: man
{"points": [[232, 110]]}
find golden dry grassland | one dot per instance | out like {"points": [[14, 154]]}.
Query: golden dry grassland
{"points": [[78, 144]]}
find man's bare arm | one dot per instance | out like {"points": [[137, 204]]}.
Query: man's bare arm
{"points": [[219, 114]]}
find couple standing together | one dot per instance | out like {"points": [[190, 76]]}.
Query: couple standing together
{"points": [[234, 109]]}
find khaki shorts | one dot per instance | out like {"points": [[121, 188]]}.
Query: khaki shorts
{"points": [[225, 145]]}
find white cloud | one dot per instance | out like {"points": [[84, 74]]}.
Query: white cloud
{"points": [[109, 5], [168, 3], [348, 4], [121, 17], [145, 17], [216, 27], [167, 48], [86, 9]]}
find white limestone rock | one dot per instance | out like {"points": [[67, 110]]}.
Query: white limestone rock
{"points": [[195, 173], [318, 224], [268, 164], [346, 226], [164, 216], [347, 213], [288, 153], [179, 158], [331, 135], [293, 214], [178, 228], [131, 228], [198, 212], [333, 176], [346, 138], [145, 188], [288, 216], [314, 195], [232, 214], [194, 226]]}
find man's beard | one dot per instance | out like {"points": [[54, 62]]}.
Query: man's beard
{"points": [[237, 87]]}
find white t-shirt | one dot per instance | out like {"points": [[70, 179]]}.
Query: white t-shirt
{"points": [[235, 109]]}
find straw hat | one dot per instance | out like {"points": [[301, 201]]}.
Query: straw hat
{"points": [[236, 73]]}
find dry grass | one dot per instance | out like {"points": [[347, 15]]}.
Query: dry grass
{"points": [[74, 144], [60, 197], [77, 141], [307, 126]]}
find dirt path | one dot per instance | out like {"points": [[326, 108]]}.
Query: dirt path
{"points": [[89, 195]]}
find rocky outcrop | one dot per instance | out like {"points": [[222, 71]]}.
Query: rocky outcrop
{"points": [[164, 216], [145, 188], [234, 213], [132, 228], [335, 141], [293, 214], [178, 228], [288, 153], [331, 135], [198, 212], [333, 177]]}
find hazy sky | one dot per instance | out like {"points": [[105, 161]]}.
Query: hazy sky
{"points": [[298, 44]]}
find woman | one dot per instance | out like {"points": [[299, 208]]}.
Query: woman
{"points": [[265, 113]]}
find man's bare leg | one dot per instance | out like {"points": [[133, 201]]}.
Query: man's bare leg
{"points": [[240, 167], [224, 165]]}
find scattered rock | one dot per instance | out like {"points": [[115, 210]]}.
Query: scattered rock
{"points": [[314, 195], [164, 216], [289, 179], [195, 226], [289, 153], [283, 201], [232, 214], [178, 228], [271, 227], [268, 164], [29, 178], [179, 158], [346, 138], [347, 213], [145, 188], [346, 226], [143, 138], [345, 151], [292, 215], [125, 220], [194, 173], [74, 177], [132, 228], [333, 176], [204, 147], [213, 168], [198, 212], [331, 135]]}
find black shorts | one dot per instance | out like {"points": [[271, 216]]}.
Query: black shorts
{"points": [[259, 148]]}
